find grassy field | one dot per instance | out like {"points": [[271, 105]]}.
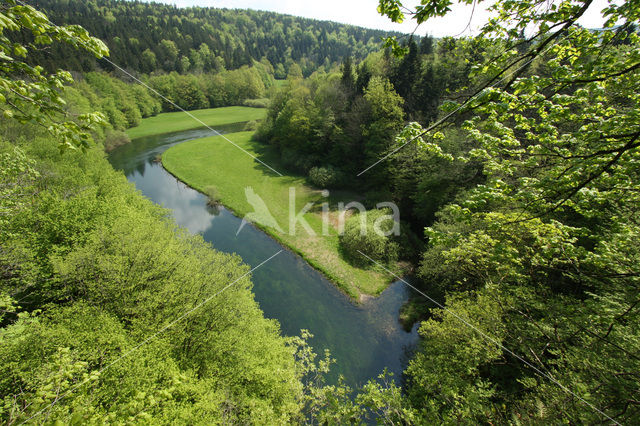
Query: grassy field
{"points": [[178, 121], [212, 161]]}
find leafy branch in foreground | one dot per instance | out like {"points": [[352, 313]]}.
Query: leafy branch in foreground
{"points": [[546, 245], [27, 93]]}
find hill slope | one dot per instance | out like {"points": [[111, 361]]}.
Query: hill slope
{"points": [[149, 36]]}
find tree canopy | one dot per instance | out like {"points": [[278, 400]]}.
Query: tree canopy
{"points": [[539, 255], [28, 93], [145, 37]]}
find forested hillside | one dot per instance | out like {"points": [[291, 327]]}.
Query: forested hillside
{"points": [[150, 37], [337, 124]]}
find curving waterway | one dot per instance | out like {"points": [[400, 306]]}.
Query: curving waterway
{"points": [[364, 339]]}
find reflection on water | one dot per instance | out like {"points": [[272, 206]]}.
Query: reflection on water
{"points": [[363, 339]]}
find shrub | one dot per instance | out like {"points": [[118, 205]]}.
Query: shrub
{"points": [[251, 126], [358, 237], [325, 177], [131, 114], [212, 194], [256, 103], [263, 132], [116, 118], [114, 139]]}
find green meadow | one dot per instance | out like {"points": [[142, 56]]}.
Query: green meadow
{"points": [[214, 162], [178, 121]]}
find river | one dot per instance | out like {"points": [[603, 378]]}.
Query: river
{"points": [[364, 339]]}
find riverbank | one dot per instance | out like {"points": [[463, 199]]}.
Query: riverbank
{"points": [[214, 162], [364, 339]]}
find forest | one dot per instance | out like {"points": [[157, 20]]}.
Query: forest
{"points": [[513, 155], [156, 37]]}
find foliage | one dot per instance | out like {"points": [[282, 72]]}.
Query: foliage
{"points": [[212, 194], [325, 177], [28, 94], [114, 139], [368, 233], [250, 126], [199, 91], [316, 122], [256, 103], [432, 171], [539, 248], [146, 36], [383, 121], [446, 380], [65, 360], [17, 174]]}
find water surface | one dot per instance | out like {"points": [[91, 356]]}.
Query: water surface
{"points": [[364, 339]]}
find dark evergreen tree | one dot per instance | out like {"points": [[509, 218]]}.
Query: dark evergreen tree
{"points": [[428, 94], [348, 79], [364, 75], [426, 45], [404, 77]]}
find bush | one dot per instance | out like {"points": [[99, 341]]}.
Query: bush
{"points": [[358, 237], [263, 132], [131, 114], [114, 139], [256, 103], [251, 126], [325, 177], [116, 118], [212, 194]]}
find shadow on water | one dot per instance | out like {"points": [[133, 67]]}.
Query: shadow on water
{"points": [[364, 339]]}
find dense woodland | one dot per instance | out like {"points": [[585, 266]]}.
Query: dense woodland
{"points": [[156, 37], [518, 181], [341, 123]]}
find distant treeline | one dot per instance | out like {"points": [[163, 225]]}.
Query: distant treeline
{"points": [[147, 37]]}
